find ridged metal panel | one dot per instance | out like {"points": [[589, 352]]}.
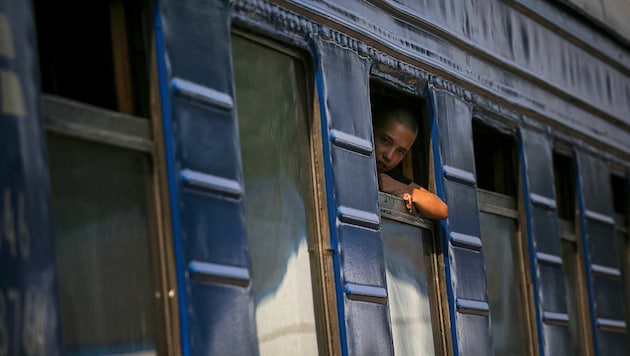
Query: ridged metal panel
{"points": [[451, 130], [544, 242], [205, 179], [601, 256], [343, 87]]}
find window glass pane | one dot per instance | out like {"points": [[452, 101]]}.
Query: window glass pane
{"points": [[102, 244], [498, 235], [278, 195], [407, 287]]}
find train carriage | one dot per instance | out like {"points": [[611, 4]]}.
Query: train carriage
{"points": [[198, 177]]}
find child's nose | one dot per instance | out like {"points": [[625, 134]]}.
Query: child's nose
{"points": [[389, 154]]}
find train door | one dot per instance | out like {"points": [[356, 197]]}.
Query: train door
{"points": [[29, 316]]}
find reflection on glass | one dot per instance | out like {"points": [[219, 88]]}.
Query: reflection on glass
{"points": [[498, 235], [407, 288], [275, 153], [102, 245]]}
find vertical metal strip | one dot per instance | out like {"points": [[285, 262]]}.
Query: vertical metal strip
{"points": [[173, 187], [530, 244], [525, 153], [205, 177], [443, 231], [343, 84], [585, 256], [451, 130], [330, 199]]}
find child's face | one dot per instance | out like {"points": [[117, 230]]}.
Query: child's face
{"points": [[392, 141]]}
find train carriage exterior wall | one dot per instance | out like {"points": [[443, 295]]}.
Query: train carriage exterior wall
{"points": [[552, 76]]}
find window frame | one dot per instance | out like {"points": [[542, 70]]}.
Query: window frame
{"points": [[512, 207], [506, 206], [78, 120], [319, 245], [393, 208], [418, 164]]}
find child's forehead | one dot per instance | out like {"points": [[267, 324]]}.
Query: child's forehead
{"points": [[397, 130], [394, 124]]}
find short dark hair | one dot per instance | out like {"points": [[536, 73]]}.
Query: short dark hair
{"points": [[401, 115]]}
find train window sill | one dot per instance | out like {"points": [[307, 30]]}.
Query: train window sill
{"points": [[393, 208], [77, 119]]}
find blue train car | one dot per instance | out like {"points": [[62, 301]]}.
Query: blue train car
{"points": [[198, 177]]}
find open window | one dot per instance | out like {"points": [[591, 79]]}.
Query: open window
{"points": [[503, 246], [410, 248], [621, 196], [95, 73], [384, 99]]}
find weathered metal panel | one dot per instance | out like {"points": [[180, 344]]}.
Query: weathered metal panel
{"points": [[205, 178], [343, 86], [601, 256], [501, 51], [611, 14], [544, 243], [29, 315], [451, 131]]}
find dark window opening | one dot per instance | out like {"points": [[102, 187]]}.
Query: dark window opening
{"points": [[565, 186], [416, 162], [621, 201], [620, 194], [99, 57], [495, 160]]}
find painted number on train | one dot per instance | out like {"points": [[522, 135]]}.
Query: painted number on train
{"points": [[15, 240], [22, 322], [24, 309], [12, 100]]}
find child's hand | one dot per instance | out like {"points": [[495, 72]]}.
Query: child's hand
{"points": [[408, 198], [389, 185]]}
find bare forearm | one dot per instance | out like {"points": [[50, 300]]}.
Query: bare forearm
{"points": [[429, 204]]}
